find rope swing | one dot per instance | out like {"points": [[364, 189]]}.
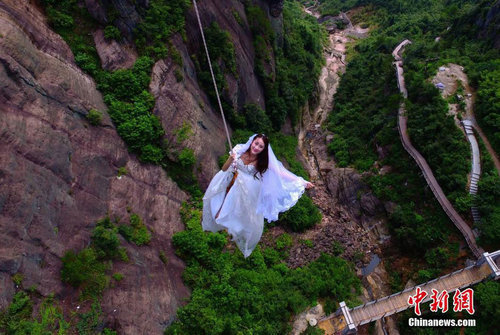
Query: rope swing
{"points": [[212, 73]]}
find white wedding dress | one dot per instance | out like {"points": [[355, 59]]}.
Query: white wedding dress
{"points": [[237, 209], [250, 199]]}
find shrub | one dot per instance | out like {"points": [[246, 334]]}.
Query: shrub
{"points": [[221, 47], [337, 248], [339, 148], [488, 104], [308, 243], [187, 158], [58, 19], [313, 331], [161, 20], [152, 154], [112, 33], [18, 278], [125, 84], [86, 62], [141, 131], [89, 321], [20, 307], [488, 298], [118, 276], [122, 254], [175, 55], [425, 275], [84, 270], [302, 216], [136, 232], [17, 317], [94, 117], [105, 239], [284, 241], [178, 75], [122, 171], [256, 119], [163, 257], [184, 132]]}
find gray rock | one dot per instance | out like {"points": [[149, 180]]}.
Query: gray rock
{"points": [[58, 177], [114, 55]]}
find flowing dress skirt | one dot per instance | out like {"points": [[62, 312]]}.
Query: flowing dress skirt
{"points": [[237, 208]]}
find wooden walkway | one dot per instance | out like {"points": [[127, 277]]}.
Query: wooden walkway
{"points": [[346, 320], [422, 163], [398, 302], [476, 166]]}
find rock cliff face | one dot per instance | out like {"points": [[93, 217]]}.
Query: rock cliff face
{"points": [[184, 101], [58, 175], [180, 102], [489, 24]]}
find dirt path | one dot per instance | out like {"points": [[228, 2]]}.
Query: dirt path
{"points": [[335, 54], [311, 138], [338, 227], [456, 83], [450, 75], [487, 144]]}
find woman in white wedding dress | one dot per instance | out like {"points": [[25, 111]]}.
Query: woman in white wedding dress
{"points": [[252, 185]]}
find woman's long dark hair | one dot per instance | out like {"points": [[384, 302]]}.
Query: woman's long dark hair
{"points": [[262, 157]]}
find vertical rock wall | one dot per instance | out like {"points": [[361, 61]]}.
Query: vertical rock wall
{"points": [[58, 175]]}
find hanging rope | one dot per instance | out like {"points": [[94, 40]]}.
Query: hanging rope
{"points": [[212, 73]]}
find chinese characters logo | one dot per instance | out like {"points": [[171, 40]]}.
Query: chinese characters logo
{"points": [[462, 300]]}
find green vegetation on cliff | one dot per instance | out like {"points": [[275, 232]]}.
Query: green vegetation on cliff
{"points": [[49, 318], [88, 269], [364, 117], [17, 320], [488, 104], [258, 294], [288, 66], [488, 201], [125, 91]]}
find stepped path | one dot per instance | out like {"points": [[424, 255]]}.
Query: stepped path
{"points": [[452, 76], [476, 165], [422, 163]]}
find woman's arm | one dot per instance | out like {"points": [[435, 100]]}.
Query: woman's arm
{"points": [[285, 174], [229, 161]]}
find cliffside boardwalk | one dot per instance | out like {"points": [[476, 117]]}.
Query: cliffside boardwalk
{"points": [[346, 320], [422, 163], [476, 165]]}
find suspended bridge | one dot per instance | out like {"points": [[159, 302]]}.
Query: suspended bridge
{"points": [[346, 320]]}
